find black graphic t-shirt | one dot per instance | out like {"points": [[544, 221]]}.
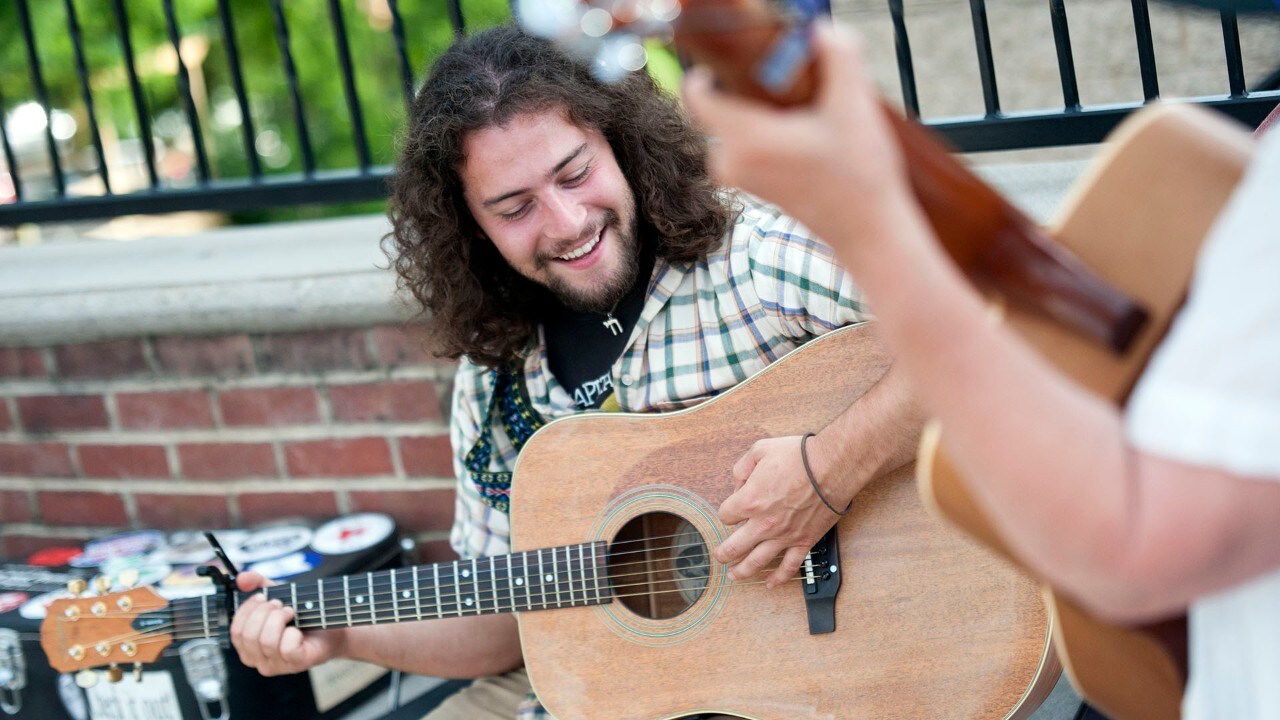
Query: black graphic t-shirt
{"points": [[581, 349]]}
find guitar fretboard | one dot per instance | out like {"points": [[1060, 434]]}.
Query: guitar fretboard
{"points": [[569, 576]]}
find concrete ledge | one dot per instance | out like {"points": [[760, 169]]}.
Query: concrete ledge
{"points": [[272, 278], [287, 277]]}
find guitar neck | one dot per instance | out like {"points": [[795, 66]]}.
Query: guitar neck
{"points": [[559, 577]]}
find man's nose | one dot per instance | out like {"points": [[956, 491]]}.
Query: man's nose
{"points": [[566, 218]]}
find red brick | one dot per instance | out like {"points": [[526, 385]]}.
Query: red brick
{"points": [[315, 352], [402, 345], [404, 401], [101, 359], [427, 456], [269, 406], [43, 413], [93, 509], [264, 507], [415, 510], [436, 551], [15, 507], [218, 356], [22, 546], [22, 362], [6, 417], [354, 457], [36, 459], [124, 462], [182, 512], [227, 461], [174, 409]]}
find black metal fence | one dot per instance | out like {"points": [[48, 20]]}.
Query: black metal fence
{"points": [[236, 104]]}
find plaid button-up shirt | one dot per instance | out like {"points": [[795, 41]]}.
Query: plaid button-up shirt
{"points": [[704, 328]]}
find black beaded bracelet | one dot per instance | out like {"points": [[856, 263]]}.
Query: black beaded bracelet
{"points": [[804, 458]]}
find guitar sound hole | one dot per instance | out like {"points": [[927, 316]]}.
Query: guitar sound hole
{"points": [[658, 564]]}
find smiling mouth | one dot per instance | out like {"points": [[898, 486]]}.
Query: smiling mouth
{"points": [[582, 249]]}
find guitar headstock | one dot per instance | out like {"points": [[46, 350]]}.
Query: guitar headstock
{"points": [[757, 48], [80, 633]]}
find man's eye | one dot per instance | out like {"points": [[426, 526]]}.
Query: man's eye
{"points": [[579, 178], [514, 214]]}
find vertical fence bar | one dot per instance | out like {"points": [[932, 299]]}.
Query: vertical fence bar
{"points": [[349, 84], [1066, 60], [455, 17], [42, 98], [906, 68], [986, 62], [295, 95], [135, 88], [1231, 44], [1146, 50], [237, 83], [10, 160], [73, 28], [402, 52], [184, 92]]}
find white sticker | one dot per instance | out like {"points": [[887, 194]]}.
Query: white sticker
{"points": [[38, 607], [287, 566], [352, 533], [152, 699], [271, 543]]}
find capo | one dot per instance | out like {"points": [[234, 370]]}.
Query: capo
{"points": [[228, 579]]}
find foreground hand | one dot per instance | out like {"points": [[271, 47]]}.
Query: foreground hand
{"points": [[778, 510], [264, 638], [834, 156]]}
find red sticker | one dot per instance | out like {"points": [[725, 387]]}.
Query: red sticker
{"points": [[54, 556]]}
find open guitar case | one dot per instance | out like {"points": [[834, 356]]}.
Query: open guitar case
{"points": [[286, 551]]}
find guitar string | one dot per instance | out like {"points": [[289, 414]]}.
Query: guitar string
{"points": [[157, 635], [384, 590], [454, 602]]}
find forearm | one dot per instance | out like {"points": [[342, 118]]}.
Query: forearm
{"points": [[466, 647], [877, 433]]}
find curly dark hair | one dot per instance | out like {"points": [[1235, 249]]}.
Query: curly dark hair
{"points": [[473, 302]]}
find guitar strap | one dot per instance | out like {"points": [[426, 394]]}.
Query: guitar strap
{"points": [[510, 402]]}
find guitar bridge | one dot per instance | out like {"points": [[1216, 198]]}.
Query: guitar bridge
{"points": [[821, 581]]}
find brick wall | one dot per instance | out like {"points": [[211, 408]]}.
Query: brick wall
{"points": [[204, 432]]}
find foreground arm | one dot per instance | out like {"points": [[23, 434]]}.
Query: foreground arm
{"points": [[1047, 458], [467, 647]]}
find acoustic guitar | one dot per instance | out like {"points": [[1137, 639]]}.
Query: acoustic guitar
{"points": [[896, 615], [1095, 292]]}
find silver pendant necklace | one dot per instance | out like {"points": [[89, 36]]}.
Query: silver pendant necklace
{"points": [[611, 323]]}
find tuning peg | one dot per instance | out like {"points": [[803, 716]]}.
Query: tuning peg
{"points": [[86, 679], [128, 578], [102, 584], [137, 672], [77, 587], [114, 674]]}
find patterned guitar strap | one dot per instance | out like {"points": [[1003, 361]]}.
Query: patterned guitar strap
{"points": [[510, 402]]}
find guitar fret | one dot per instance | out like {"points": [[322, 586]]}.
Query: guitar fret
{"points": [[595, 572], [457, 598], [555, 574], [320, 585], [474, 598], [346, 596], [204, 613], [395, 598], [582, 570], [511, 584], [417, 593], [373, 605], [524, 577], [439, 608], [493, 581]]}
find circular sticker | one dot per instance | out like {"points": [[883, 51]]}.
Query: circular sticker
{"points": [[12, 600], [38, 607], [352, 533], [118, 546], [149, 571], [288, 566], [54, 556], [271, 543]]}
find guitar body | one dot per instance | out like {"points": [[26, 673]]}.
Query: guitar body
{"points": [[1138, 219], [928, 624]]}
